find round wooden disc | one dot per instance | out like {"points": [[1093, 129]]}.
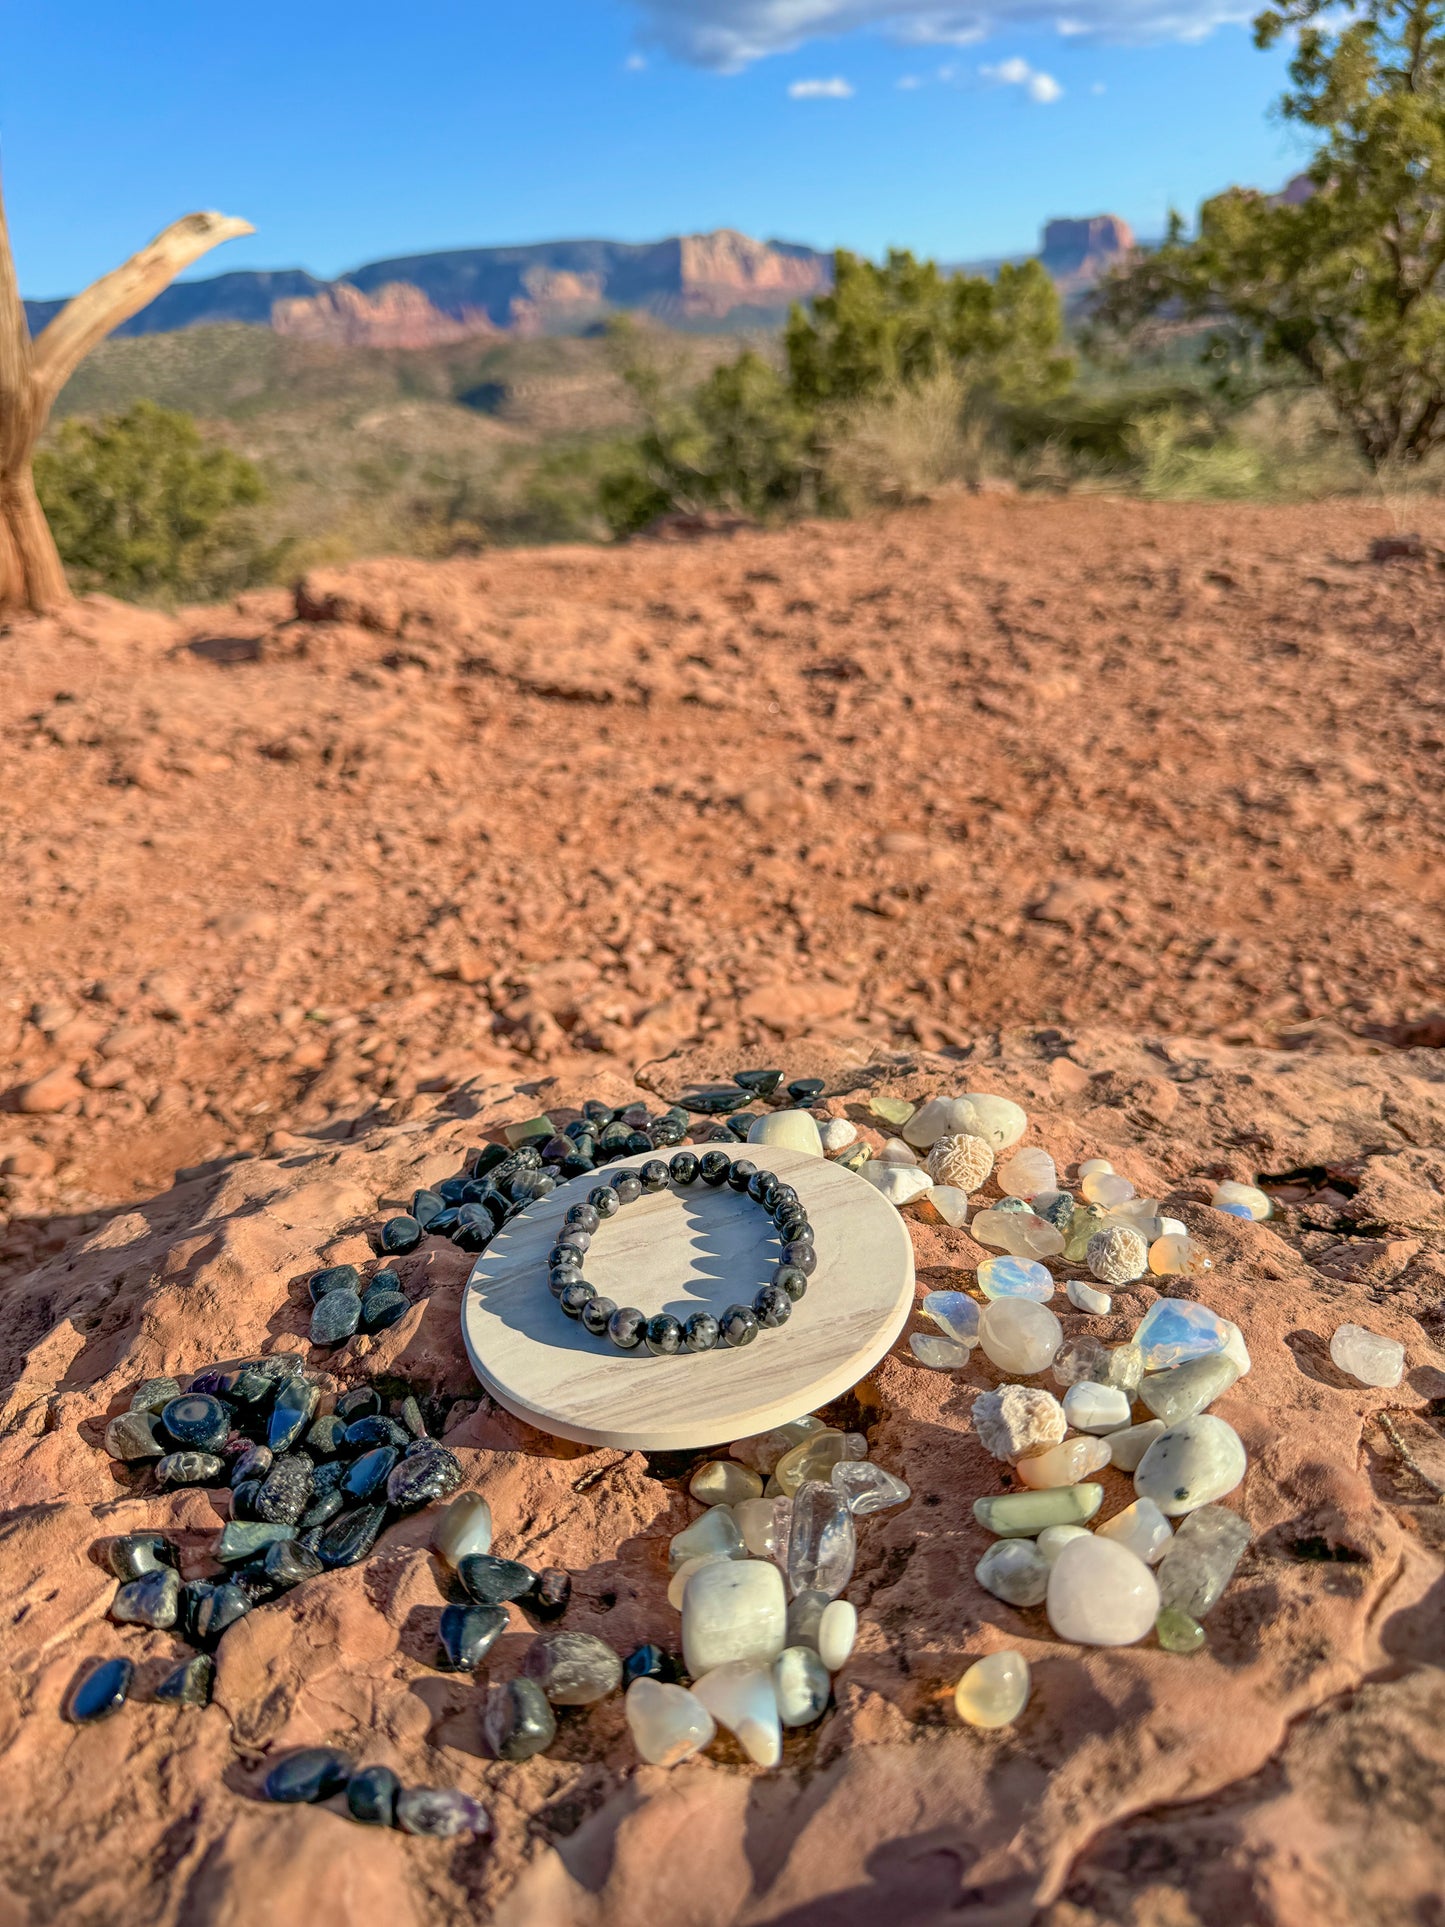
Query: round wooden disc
{"points": [[686, 1251]]}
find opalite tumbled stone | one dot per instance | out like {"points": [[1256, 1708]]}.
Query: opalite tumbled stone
{"points": [[1191, 1465], [1368, 1356], [463, 1527], [1255, 1201], [1126, 1448], [954, 1313], [1101, 1594], [668, 1723], [1019, 1335], [801, 1686], [1052, 1540], [994, 1690], [1027, 1173], [899, 1183], [1019, 1515], [1141, 1527], [1014, 1570], [1063, 1464], [1176, 1329], [740, 1696], [1185, 1389], [1086, 1297], [787, 1130], [763, 1450], [815, 1458], [938, 1353], [868, 1487], [1117, 1255], [715, 1532], [1200, 1559], [733, 1610], [1096, 1408], [837, 1631], [1018, 1419], [823, 1542], [724, 1482], [1015, 1278], [765, 1525]]}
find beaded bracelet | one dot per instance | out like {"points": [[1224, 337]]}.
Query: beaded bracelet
{"points": [[663, 1335]]}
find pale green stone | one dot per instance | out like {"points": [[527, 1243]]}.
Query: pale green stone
{"points": [[1177, 1632], [716, 1533], [1019, 1515], [1185, 1389], [529, 1129], [892, 1110], [788, 1131]]}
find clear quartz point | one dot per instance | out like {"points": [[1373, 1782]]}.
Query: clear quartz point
{"points": [[868, 1487], [940, 1354], [1200, 1559], [823, 1545]]}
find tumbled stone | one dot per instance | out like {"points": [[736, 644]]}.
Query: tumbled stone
{"points": [[815, 1458], [739, 1695], [1081, 1359], [1256, 1203], [1084, 1222], [1014, 1570], [491, 1581], [196, 1422], [1021, 1232], [151, 1600], [1101, 1594], [441, 1813], [154, 1394], [1183, 1390], [190, 1468], [715, 1534], [551, 1594], [724, 1482], [836, 1134], [1018, 1419], [286, 1490], [787, 1130], [1127, 1447], [215, 1609], [1200, 1559], [518, 1721], [1176, 1329], [895, 1151], [1191, 1465], [763, 1450], [367, 1476], [868, 1487], [135, 1436], [1019, 1515], [371, 1796], [766, 1523], [315, 1773], [102, 1692], [1015, 1278], [291, 1412], [188, 1684], [961, 1162], [1052, 1540], [1117, 1256], [678, 1584], [334, 1278], [733, 1610], [250, 1538], [998, 1120], [1105, 1188], [1090, 1407], [944, 1204], [1019, 1336], [954, 1313], [1063, 1464], [899, 1183], [938, 1353], [573, 1669], [668, 1723], [134, 1554], [1027, 1173], [362, 1434], [423, 1475], [1141, 1527], [1177, 1255], [348, 1538], [288, 1564], [801, 1686], [823, 1541], [335, 1318], [805, 1618], [1177, 1632], [836, 1632], [994, 1690], [1368, 1356], [462, 1528], [1086, 1297], [380, 1310]]}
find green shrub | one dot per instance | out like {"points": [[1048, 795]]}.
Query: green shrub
{"points": [[144, 507]]}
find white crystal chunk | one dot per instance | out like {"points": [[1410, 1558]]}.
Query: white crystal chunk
{"points": [[668, 1723], [1368, 1356], [837, 1134], [1052, 1540], [899, 1183], [734, 1609], [1141, 1527], [715, 1532], [1086, 1297]]}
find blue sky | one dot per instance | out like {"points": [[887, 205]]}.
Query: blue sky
{"points": [[349, 132]]}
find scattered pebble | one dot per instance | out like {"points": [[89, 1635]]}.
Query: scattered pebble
{"points": [[1368, 1356]]}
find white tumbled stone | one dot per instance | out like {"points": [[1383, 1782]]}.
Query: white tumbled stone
{"points": [[1019, 1335], [1101, 1594], [1191, 1465], [940, 1354], [788, 1131], [994, 1690], [1027, 1173], [1368, 1356], [765, 1525], [1127, 1447], [1141, 1527], [1181, 1391], [464, 1528], [997, 1119], [715, 1532], [1017, 1419], [1086, 1297], [837, 1631], [837, 1133], [1014, 1570], [678, 1584], [1052, 1540], [725, 1482], [1096, 1408], [896, 1151], [946, 1203], [899, 1183], [733, 1609], [740, 1696], [668, 1723], [801, 1686]]}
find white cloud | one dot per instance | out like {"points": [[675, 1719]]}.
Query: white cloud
{"points": [[1014, 72], [1098, 88], [730, 34], [907, 82], [834, 89], [635, 63]]}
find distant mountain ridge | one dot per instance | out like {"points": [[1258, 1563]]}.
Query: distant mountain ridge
{"points": [[418, 301]]}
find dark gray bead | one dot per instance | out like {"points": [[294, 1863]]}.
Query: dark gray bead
{"points": [[773, 1306], [803, 1256], [663, 1336], [625, 1328], [700, 1332], [596, 1314], [739, 1325]]}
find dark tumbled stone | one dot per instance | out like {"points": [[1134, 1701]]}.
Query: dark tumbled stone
{"points": [[135, 1554], [288, 1563], [313, 1774], [367, 1475], [491, 1581], [401, 1234], [467, 1634], [441, 1813], [740, 1123], [408, 1413], [335, 1318], [371, 1796], [573, 1669], [324, 1506], [219, 1608], [553, 1593], [425, 1206], [328, 1477], [190, 1468], [760, 1083], [102, 1691], [422, 1476], [295, 1402], [805, 1090], [649, 1662], [334, 1278], [134, 1436], [244, 1497], [716, 1101], [349, 1537], [380, 1310], [190, 1683], [359, 1403], [519, 1721], [326, 1436], [372, 1430], [250, 1539], [286, 1491], [254, 1463], [151, 1600], [154, 1394]]}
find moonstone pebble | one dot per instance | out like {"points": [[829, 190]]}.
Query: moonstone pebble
{"points": [[899, 1183], [716, 1532], [1176, 1255], [1052, 1540], [1176, 1329], [1191, 1465], [837, 1632], [733, 1610], [1086, 1297], [787, 1130], [868, 1487], [801, 1686], [1015, 1278], [462, 1528], [764, 1449], [823, 1541], [1141, 1527], [1117, 1256], [994, 1690], [1101, 1594], [939, 1354], [1368, 1356], [1199, 1561], [740, 1696], [669, 1724], [1019, 1515], [1019, 1335], [1126, 1448], [1090, 1165], [724, 1482], [1185, 1389], [1255, 1201], [836, 1134], [1018, 1419], [1063, 1464], [954, 1313], [1096, 1408], [1027, 1173], [1106, 1188], [962, 1162], [1014, 1570]]}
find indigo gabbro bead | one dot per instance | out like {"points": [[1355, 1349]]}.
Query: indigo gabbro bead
{"points": [[739, 1325], [653, 1175], [625, 1328], [604, 1201], [804, 1256], [102, 1692], [663, 1335], [739, 1172], [773, 1305], [713, 1167], [313, 1774], [197, 1423], [575, 1296], [584, 1216], [793, 1280], [628, 1187], [683, 1168], [371, 1796], [700, 1332]]}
